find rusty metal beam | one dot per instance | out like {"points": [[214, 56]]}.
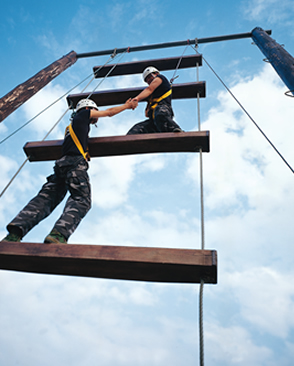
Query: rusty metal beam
{"points": [[113, 262], [125, 145], [155, 46]]}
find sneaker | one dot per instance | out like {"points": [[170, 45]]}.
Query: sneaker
{"points": [[12, 237], [55, 237]]}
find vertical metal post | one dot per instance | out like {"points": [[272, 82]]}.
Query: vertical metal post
{"points": [[279, 58]]}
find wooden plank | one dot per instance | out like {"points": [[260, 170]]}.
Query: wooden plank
{"points": [[125, 145], [19, 95], [137, 67], [119, 96], [113, 262]]}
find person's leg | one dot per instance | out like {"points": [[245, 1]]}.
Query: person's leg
{"points": [[146, 126], [163, 119], [51, 194], [77, 205]]}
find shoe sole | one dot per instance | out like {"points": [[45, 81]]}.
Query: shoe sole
{"points": [[50, 240]]}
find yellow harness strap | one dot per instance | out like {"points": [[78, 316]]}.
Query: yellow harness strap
{"points": [[77, 142], [157, 100]]}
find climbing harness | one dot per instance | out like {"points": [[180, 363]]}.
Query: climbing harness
{"points": [[154, 102]]}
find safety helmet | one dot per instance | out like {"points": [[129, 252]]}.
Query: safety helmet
{"points": [[149, 70], [83, 103]]}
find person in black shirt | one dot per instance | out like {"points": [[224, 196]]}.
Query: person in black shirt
{"points": [[159, 110], [70, 174]]}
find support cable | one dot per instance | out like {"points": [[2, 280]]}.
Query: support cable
{"points": [[247, 113], [176, 69], [201, 333], [56, 123]]}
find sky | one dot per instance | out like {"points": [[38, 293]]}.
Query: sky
{"points": [[154, 200]]}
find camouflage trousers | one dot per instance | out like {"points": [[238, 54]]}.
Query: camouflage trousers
{"points": [[163, 122], [70, 174]]}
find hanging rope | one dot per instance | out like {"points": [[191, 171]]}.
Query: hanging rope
{"points": [[245, 111], [178, 65], [52, 128], [109, 72], [201, 333], [201, 336]]}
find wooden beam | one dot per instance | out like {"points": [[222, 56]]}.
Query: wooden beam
{"points": [[19, 95], [137, 67], [119, 96], [113, 262], [125, 145]]}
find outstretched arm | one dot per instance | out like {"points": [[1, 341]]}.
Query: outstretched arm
{"points": [[129, 104], [149, 90]]}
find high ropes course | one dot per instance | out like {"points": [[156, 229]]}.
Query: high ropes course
{"points": [[132, 263]]}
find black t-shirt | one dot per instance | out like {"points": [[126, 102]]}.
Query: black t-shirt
{"points": [[162, 89], [81, 127]]}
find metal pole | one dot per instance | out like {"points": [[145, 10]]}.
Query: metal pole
{"points": [[279, 58], [168, 44]]}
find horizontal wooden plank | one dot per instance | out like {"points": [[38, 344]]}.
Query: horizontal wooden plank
{"points": [[119, 96], [112, 262], [125, 145], [137, 67]]}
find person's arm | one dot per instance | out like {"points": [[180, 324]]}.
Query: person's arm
{"points": [[149, 90], [129, 104]]}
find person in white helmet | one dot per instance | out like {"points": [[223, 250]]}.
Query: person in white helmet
{"points": [[70, 174], [159, 109]]}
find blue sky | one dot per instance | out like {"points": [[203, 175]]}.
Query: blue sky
{"points": [[154, 200]]}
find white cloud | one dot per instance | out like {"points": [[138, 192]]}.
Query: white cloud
{"points": [[44, 122], [265, 298], [271, 10], [242, 164], [234, 346]]}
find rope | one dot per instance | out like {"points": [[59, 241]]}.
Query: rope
{"points": [[201, 337], [109, 72], [245, 111], [201, 333], [176, 69], [52, 128]]}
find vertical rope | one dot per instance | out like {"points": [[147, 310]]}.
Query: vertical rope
{"points": [[201, 336]]}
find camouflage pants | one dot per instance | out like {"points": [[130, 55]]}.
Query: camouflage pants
{"points": [[163, 122], [70, 174]]}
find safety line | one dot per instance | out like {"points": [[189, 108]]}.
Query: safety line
{"points": [[201, 289], [109, 72], [178, 64]]}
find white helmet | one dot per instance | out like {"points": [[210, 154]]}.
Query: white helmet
{"points": [[149, 70], [83, 103]]}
